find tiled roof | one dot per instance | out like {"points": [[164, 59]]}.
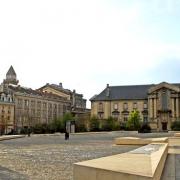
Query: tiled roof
{"points": [[124, 92], [130, 92]]}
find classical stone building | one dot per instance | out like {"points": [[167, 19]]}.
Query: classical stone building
{"points": [[78, 103], [158, 104], [25, 107]]}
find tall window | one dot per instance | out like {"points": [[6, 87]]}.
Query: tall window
{"points": [[125, 118], [115, 106], [135, 105], [164, 100], [125, 106], [26, 103], [145, 105], [145, 119], [100, 107]]}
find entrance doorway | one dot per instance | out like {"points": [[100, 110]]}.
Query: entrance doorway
{"points": [[164, 126]]}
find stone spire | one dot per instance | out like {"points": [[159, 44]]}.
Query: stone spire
{"points": [[11, 77]]}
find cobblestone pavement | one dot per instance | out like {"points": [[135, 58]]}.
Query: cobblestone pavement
{"points": [[50, 157]]}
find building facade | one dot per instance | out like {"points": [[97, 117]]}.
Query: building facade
{"points": [[78, 103], [22, 107], [158, 104], [7, 105]]}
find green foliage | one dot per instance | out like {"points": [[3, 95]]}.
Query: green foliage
{"points": [[133, 122], [81, 128], [56, 126], [94, 124], [66, 117], [40, 129], [110, 124], [175, 126]]}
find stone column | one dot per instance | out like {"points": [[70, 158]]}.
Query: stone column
{"points": [[177, 107], [172, 105], [155, 108], [150, 108]]}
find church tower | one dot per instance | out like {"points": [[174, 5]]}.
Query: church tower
{"points": [[11, 77]]}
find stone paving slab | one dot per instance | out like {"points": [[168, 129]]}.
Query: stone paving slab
{"points": [[7, 137]]}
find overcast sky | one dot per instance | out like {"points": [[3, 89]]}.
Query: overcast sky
{"points": [[86, 44]]}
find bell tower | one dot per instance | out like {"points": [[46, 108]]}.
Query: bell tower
{"points": [[11, 77]]}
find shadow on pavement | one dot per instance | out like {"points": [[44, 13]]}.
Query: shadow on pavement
{"points": [[8, 174]]}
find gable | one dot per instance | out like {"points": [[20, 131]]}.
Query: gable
{"points": [[56, 92], [164, 85]]}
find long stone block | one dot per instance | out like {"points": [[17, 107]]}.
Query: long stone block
{"points": [[8, 137], [145, 163], [139, 141], [177, 134]]}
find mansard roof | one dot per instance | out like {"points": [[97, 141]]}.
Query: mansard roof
{"points": [[131, 92], [11, 71]]}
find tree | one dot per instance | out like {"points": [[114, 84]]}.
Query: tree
{"points": [[175, 126], [133, 122], [94, 124], [109, 124], [67, 117]]}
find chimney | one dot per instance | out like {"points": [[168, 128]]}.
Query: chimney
{"points": [[60, 85], [107, 90]]}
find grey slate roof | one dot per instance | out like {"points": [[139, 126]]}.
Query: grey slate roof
{"points": [[124, 92], [131, 92], [11, 71]]}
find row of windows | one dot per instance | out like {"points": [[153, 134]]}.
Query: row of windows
{"points": [[3, 117], [40, 105], [125, 106], [124, 117]]}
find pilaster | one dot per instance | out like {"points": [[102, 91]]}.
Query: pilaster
{"points": [[177, 107]]}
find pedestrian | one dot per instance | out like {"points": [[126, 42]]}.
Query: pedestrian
{"points": [[66, 135], [29, 132]]}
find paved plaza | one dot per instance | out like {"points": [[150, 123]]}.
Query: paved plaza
{"points": [[50, 157]]}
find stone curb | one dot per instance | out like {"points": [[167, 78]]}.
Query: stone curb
{"points": [[3, 138]]}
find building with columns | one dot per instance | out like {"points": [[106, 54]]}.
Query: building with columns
{"points": [[158, 104]]}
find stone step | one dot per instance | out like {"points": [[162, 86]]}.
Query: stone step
{"points": [[139, 141], [145, 163]]}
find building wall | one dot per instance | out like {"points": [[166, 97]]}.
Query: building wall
{"points": [[31, 110], [163, 107], [6, 114], [109, 106]]}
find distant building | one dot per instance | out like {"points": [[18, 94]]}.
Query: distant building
{"points": [[78, 103], [158, 104], [22, 107]]}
